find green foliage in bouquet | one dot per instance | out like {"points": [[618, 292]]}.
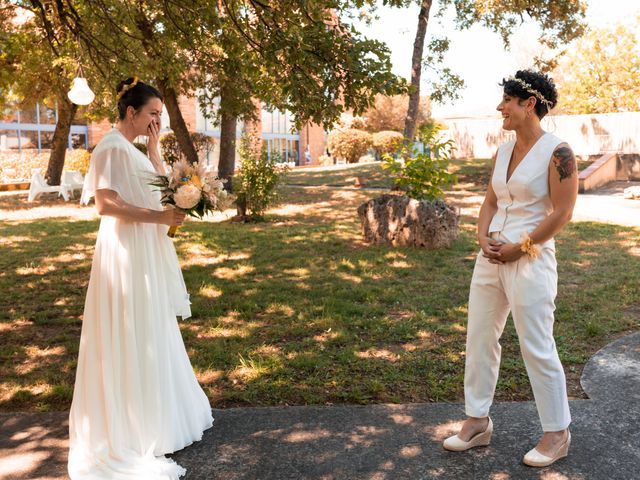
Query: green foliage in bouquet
{"points": [[256, 185], [171, 151], [423, 175]]}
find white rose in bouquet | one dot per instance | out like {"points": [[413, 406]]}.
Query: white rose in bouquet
{"points": [[187, 196], [190, 189]]}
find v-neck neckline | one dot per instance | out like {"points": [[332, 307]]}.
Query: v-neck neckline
{"points": [[506, 173]]}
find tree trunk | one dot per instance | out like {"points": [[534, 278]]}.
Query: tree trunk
{"points": [[416, 71], [66, 113], [176, 121], [253, 128], [227, 160]]}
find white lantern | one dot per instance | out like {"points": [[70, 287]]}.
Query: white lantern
{"points": [[80, 93]]}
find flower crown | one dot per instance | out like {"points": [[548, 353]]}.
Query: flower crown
{"points": [[126, 88], [529, 89]]}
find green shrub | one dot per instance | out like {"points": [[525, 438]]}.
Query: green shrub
{"points": [[423, 175], [172, 152], [387, 142], [141, 146], [77, 160], [325, 160], [256, 184], [350, 144], [15, 166]]}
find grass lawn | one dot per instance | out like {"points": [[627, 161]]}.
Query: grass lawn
{"points": [[472, 173], [340, 176], [299, 310]]}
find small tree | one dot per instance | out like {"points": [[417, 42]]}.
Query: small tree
{"points": [[256, 184], [600, 74], [172, 152], [350, 144], [387, 142], [423, 175], [389, 112], [78, 160]]}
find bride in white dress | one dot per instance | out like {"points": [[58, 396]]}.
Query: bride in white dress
{"points": [[136, 397]]}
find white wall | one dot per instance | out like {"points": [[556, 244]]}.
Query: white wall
{"points": [[586, 134]]}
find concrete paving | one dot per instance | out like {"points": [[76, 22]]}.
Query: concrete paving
{"points": [[380, 442], [608, 205]]}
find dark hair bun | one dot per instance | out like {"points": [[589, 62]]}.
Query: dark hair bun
{"points": [[528, 83], [133, 93]]}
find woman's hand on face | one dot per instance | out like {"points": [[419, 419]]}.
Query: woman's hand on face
{"points": [[153, 134], [491, 249], [173, 217]]}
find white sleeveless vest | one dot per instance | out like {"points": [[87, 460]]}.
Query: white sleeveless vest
{"points": [[523, 201]]}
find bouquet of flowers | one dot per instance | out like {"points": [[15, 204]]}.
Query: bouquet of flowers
{"points": [[188, 188]]}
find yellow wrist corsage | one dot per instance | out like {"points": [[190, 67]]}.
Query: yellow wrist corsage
{"points": [[527, 246]]}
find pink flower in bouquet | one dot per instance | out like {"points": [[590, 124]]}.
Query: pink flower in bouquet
{"points": [[187, 196], [189, 188]]}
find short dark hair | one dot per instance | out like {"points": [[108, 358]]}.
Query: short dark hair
{"points": [[134, 96], [523, 85]]}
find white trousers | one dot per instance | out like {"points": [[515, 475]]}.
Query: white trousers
{"points": [[528, 289]]}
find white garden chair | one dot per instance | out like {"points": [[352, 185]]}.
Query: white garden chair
{"points": [[73, 180], [40, 186]]}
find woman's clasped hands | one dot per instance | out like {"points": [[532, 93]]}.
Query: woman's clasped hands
{"points": [[498, 252]]}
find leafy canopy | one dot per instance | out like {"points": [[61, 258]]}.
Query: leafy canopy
{"points": [[601, 73]]}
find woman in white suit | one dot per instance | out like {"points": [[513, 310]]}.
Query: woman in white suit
{"points": [[530, 198]]}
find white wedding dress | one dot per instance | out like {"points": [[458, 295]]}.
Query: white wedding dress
{"points": [[136, 397]]}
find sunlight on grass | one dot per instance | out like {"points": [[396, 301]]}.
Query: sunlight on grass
{"points": [[226, 273], [299, 309], [11, 391], [197, 254], [208, 377], [297, 273], [32, 269], [37, 357], [221, 332], [348, 277], [325, 337], [400, 264], [279, 309], [249, 369], [210, 291], [14, 240], [379, 353]]}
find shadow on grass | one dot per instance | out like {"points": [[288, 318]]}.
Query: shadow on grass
{"points": [[300, 311]]}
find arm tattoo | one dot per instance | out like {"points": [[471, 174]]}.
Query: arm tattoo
{"points": [[565, 162]]}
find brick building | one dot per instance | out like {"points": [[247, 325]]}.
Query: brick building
{"points": [[31, 130]]}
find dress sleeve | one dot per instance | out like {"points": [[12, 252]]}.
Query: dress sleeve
{"points": [[108, 169]]}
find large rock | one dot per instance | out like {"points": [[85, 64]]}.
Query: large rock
{"points": [[402, 221]]}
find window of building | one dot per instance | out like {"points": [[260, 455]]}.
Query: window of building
{"points": [[32, 129]]}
